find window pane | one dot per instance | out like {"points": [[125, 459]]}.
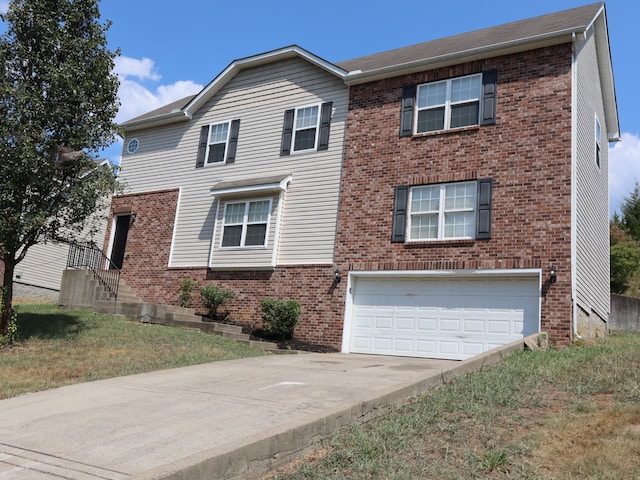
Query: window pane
{"points": [[424, 227], [307, 117], [218, 133], [460, 196], [255, 234], [458, 225], [466, 114], [258, 211], [305, 139], [425, 199], [466, 88], [231, 236], [431, 120], [234, 213], [432, 94], [216, 152]]}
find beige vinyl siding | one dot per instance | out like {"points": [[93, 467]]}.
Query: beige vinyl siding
{"points": [[592, 202], [259, 96]]}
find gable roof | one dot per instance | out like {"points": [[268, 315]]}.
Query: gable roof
{"points": [[545, 30], [184, 109]]}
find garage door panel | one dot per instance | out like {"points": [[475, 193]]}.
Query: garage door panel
{"points": [[442, 318]]}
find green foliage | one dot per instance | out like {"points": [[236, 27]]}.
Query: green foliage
{"points": [[213, 298], [630, 213], [187, 285], [58, 100], [280, 317], [625, 258]]}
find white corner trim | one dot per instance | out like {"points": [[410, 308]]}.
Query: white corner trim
{"points": [[175, 228]]}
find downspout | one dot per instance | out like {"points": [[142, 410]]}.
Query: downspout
{"points": [[574, 177]]}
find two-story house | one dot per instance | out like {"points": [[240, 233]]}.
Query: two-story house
{"points": [[436, 200]]}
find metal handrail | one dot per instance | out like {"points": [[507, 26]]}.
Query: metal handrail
{"points": [[87, 255]]}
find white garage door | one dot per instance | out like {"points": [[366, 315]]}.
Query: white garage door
{"points": [[441, 317]]}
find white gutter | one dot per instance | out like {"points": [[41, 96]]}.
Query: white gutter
{"points": [[546, 39]]}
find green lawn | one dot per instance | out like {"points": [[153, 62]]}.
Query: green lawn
{"points": [[60, 347], [556, 414]]}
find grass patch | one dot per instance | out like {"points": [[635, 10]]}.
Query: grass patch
{"points": [[61, 347], [556, 414]]}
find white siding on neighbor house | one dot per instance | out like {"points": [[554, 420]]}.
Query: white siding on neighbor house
{"points": [[591, 186], [44, 263], [258, 97]]}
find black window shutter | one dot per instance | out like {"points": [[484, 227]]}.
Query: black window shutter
{"points": [[233, 141], [202, 146], [406, 116], [483, 223], [287, 132], [325, 124], [489, 87], [400, 213]]}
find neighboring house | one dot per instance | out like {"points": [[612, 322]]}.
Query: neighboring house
{"points": [[458, 188], [39, 274]]}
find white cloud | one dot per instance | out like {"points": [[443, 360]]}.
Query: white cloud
{"points": [[624, 168], [137, 97], [4, 6], [143, 69]]}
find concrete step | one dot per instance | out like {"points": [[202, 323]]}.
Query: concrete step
{"points": [[238, 337]]}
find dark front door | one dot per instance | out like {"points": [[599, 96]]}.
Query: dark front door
{"points": [[119, 240]]}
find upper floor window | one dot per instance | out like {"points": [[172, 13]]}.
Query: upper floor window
{"points": [[245, 223], [598, 137], [447, 104], [306, 128], [443, 211], [218, 143]]}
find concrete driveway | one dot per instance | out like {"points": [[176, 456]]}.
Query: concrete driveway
{"points": [[231, 419]]}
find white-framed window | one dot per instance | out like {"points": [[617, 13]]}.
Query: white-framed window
{"points": [[217, 143], [448, 104], [246, 223], [443, 211], [132, 146], [598, 145], [305, 128]]}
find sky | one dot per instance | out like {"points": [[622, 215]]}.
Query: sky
{"points": [[172, 49]]}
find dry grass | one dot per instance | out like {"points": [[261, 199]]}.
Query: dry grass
{"points": [[61, 347], [568, 415]]}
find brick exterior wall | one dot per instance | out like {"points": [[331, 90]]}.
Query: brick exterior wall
{"points": [[147, 257], [527, 153]]}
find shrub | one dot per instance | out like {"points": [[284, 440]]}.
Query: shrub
{"points": [[186, 292], [280, 317], [213, 298]]}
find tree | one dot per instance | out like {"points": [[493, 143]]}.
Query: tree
{"points": [[625, 257], [630, 213], [58, 100]]}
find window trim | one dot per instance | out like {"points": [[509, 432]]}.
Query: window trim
{"points": [[296, 130], [448, 104], [442, 212], [598, 142], [246, 202], [132, 146], [207, 163]]}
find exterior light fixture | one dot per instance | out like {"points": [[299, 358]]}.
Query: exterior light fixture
{"points": [[553, 274], [338, 277]]}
